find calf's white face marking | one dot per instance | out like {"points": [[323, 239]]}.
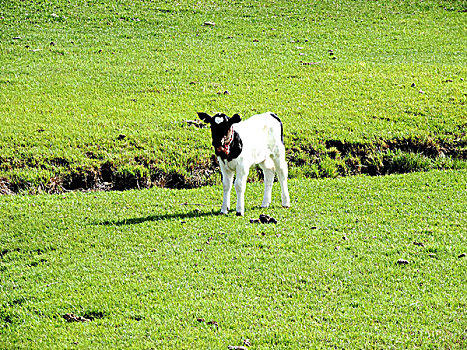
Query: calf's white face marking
{"points": [[218, 120]]}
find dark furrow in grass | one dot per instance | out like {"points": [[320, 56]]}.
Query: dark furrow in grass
{"points": [[332, 158]]}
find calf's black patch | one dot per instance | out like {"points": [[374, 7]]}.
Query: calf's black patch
{"points": [[220, 127], [235, 149]]}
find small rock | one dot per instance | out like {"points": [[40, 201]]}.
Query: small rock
{"points": [[462, 255], [420, 244], [299, 48], [345, 238], [54, 15], [230, 37], [246, 342], [337, 248], [52, 43], [301, 54], [17, 38], [421, 91], [331, 52], [209, 24], [256, 41], [200, 320], [121, 137], [309, 63], [402, 262], [74, 318], [240, 347], [413, 85], [449, 81]]}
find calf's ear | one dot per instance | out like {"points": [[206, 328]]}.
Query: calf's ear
{"points": [[205, 117], [235, 119]]}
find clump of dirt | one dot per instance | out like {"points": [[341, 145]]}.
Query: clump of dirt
{"points": [[264, 219], [5, 186], [74, 318]]}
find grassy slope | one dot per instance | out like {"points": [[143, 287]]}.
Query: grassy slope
{"points": [[145, 265], [125, 68]]}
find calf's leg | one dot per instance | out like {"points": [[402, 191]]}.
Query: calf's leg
{"points": [[268, 171], [227, 179], [240, 186], [282, 173]]}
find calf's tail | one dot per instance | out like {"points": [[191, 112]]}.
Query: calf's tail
{"points": [[282, 127]]}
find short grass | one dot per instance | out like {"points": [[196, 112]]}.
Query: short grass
{"points": [[103, 88], [152, 268]]}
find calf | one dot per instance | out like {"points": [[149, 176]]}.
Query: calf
{"points": [[241, 144]]}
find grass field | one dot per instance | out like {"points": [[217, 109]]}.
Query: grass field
{"points": [[147, 267], [96, 95]]}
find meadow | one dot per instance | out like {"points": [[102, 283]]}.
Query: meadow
{"points": [[355, 263], [97, 97]]}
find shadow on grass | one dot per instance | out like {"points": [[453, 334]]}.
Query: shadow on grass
{"points": [[179, 216]]}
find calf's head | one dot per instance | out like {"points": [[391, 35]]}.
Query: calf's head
{"points": [[221, 129]]}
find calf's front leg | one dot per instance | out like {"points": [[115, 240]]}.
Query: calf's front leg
{"points": [[240, 186], [227, 179]]}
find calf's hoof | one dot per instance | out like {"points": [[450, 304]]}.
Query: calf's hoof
{"points": [[239, 214]]}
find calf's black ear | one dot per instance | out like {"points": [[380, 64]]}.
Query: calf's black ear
{"points": [[205, 117], [235, 119]]}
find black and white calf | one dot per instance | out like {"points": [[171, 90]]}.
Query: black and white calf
{"points": [[241, 144]]}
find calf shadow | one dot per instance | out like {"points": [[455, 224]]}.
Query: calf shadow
{"points": [[159, 217]]}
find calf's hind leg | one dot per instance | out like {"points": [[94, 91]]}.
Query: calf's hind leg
{"points": [[282, 174], [268, 172]]}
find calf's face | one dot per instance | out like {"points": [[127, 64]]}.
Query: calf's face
{"points": [[220, 127]]}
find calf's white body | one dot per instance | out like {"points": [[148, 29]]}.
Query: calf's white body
{"points": [[262, 144]]}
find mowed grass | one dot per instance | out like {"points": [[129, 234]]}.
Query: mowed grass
{"points": [[101, 92], [160, 269]]}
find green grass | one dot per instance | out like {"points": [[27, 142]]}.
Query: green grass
{"points": [[95, 95], [145, 265], [108, 100]]}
